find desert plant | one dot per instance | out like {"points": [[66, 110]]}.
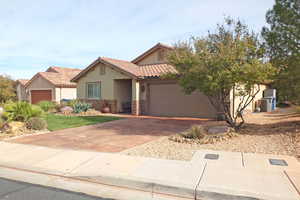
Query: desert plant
{"points": [[46, 106], [21, 111], [36, 123], [80, 107], [195, 132], [71, 103]]}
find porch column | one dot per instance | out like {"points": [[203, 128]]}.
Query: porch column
{"points": [[135, 106]]}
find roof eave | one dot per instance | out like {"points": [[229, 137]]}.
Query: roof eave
{"points": [[149, 51], [120, 69], [100, 60]]}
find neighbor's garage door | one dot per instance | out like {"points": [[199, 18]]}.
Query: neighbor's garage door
{"points": [[40, 95], [169, 100]]}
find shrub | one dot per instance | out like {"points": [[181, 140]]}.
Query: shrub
{"points": [[2, 123], [195, 132], [72, 103], [47, 105], [298, 109], [80, 107], [36, 123], [21, 111]]}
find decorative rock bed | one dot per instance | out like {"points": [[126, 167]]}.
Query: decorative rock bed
{"points": [[204, 135]]}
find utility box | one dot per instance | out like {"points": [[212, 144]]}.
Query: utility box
{"points": [[267, 104], [269, 93]]}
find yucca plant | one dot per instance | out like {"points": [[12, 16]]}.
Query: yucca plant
{"points": [[80, 107]]}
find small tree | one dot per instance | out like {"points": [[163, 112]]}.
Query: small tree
{"points": [[283, 46], [7, 89], [231, 58]]}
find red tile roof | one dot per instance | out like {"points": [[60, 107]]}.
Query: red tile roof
{"points": [[156, 70], [123, 65], [131, 68], [58, 76]]}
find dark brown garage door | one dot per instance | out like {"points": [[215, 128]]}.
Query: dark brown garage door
{"points": [[169, 100], [40, 95]]}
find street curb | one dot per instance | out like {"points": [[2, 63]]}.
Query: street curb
{"points": [[143, 185], [131, 183]]}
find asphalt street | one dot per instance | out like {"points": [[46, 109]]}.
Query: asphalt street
{"points": [[14, 190]]}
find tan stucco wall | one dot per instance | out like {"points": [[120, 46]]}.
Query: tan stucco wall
{"points": [[107, 82], [234, 102], [41, 84], [21, 93], [65, 93], [122, 92], [152, 58]]}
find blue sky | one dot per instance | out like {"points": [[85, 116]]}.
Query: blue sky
{"points": [[36, 34]]}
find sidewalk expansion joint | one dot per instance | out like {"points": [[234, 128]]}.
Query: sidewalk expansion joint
{"points": [[198, 182], [243, 161], [79, 165], [293, 184]]}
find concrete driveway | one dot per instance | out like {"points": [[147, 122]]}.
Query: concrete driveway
{"points": [[112, 136]]}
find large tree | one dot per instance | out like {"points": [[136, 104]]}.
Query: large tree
{"points": [[283, 45], [7, 89], [229, 60]]}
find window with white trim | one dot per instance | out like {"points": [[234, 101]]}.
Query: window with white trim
{"points": [[93, 90]]}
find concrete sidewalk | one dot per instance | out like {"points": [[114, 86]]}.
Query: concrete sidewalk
{"points": [[209, 175]]}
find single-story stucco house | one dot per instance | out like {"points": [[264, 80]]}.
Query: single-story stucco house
{"points": [[136, 86], [52, 85]]}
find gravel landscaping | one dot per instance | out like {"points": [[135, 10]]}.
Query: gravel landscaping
{"points": [[271, 133]]}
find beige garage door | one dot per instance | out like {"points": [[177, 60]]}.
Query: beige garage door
{"points": [[169, 100]]}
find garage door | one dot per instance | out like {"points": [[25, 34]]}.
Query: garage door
{"points": [[170, 100], [40, 95]]}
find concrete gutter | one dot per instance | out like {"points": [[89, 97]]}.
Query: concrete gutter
{"points": [[238, 176]]}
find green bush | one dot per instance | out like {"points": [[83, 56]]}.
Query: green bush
{"points": [[36, 123], [21, 111], [47, 105], [80, 107]]}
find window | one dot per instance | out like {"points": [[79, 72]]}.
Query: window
{"points": [[102, 70], [93, 90]]}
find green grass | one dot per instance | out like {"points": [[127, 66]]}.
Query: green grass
{"points": [[57, 122]]}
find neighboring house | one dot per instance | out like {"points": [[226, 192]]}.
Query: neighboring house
{"points": [[21, 90], [52, 85]]}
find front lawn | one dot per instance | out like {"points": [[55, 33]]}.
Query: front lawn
{"points": [[57, 122]]}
